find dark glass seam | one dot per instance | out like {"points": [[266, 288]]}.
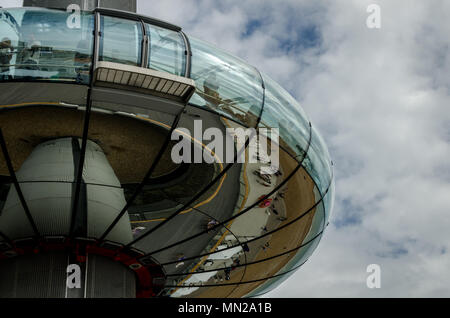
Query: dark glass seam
{"points": [[263, 102], [144, 45]]}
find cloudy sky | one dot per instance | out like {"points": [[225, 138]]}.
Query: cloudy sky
{"points": [[380, 98]]}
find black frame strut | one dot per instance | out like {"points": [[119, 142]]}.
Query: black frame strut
{"points": [[17, 185]]}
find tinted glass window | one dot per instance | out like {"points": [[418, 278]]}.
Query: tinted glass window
{"points": [[121, 41], [166, 52]]}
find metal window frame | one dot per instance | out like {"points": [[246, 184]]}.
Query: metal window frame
{"points": [[146, 37], [99, 29], [188, 54], [138, 17], [145, 45]]}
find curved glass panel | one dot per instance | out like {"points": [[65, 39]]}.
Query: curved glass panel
{"points": [[225, 83], [166, 51], [121, 41], [282, 111], [318, 163], [43, 44]]}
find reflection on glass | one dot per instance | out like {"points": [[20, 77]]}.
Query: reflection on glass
{"points": [[166, 51], [225, 83], [42, 44], [310, 243], [311, 224], [120, 41]]}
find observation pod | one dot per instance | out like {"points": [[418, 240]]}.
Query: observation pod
{"points": [[138, 161]]}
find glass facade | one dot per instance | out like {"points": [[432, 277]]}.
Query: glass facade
{"points": [[243, 232]]}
